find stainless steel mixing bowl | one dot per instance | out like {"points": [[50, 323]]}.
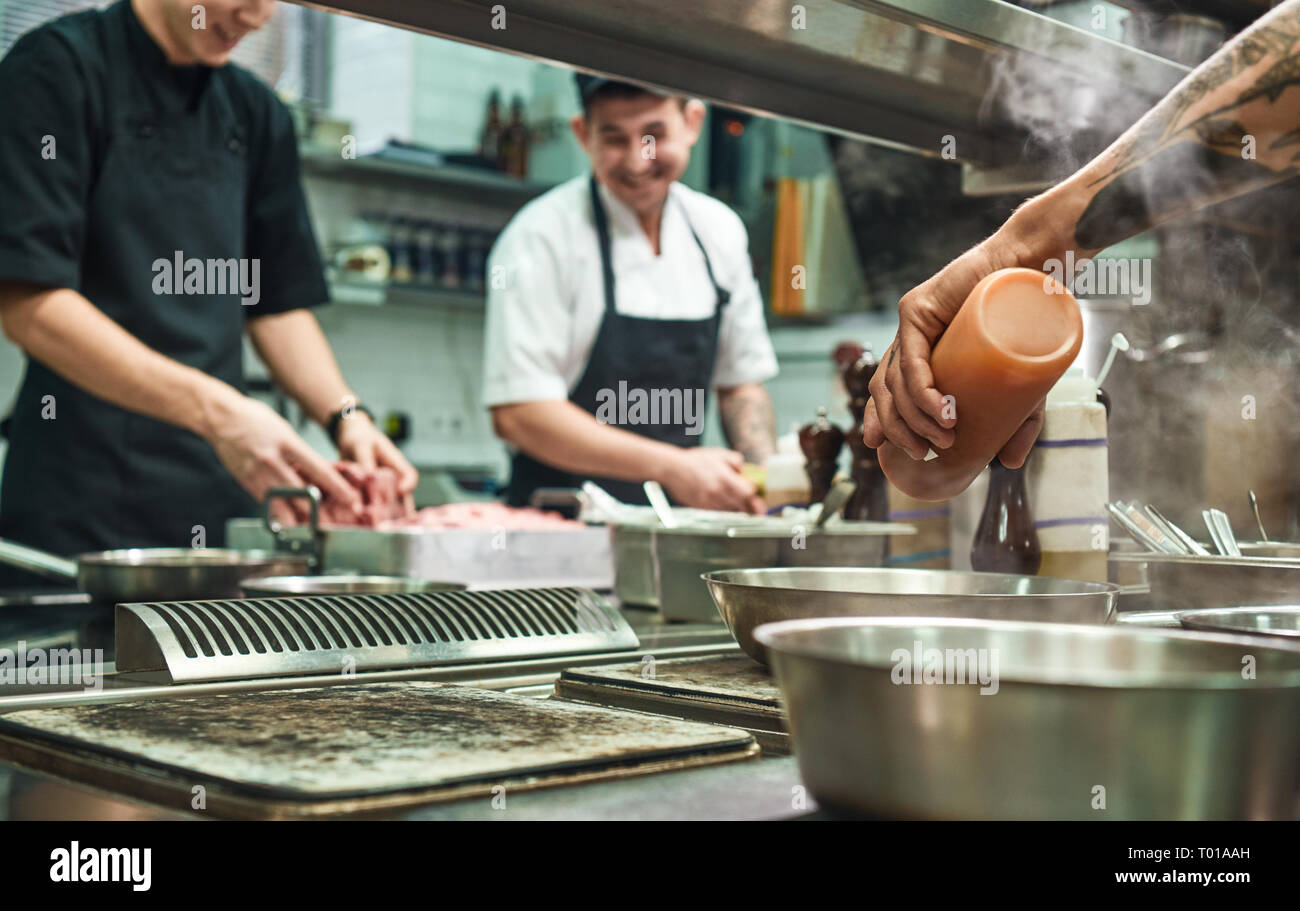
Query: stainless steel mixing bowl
{"points": [[748, 598], [1077, 722]]}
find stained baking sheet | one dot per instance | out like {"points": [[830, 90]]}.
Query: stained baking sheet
{"points": [[350, 748]]}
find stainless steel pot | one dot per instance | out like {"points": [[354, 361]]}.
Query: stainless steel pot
{"points": [[342, 584], [1076, 722], [748, 598]]}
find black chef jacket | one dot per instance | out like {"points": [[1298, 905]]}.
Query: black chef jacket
{"points": [[112, 161]]}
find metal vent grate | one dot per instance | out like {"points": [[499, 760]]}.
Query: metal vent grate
{"points": [[258, 637]]}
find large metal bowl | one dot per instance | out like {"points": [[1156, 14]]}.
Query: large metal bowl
{"points": [[1075, 722], [748, 598]]}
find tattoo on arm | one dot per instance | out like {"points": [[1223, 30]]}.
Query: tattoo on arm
{"points": [[748, 421], [1172, 164]]}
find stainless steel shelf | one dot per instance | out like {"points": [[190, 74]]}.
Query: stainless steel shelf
{"points": [[904, 73], [456, 179]]}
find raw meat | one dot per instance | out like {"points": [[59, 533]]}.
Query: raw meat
{"points": [[384, 508], [380, 499]]}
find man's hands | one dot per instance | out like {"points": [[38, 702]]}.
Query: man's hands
{"points": [[360, 441], [261, 451], [905, 407], [710, 478]]}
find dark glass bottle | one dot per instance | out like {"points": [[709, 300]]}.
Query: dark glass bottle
{"points": [[1005, 540], [821, 442]]}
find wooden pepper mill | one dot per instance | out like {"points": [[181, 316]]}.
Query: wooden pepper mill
{"points": [[821, 442], [870, 500]]}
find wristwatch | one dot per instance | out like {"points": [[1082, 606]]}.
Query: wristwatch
{"points": [[332, 425]]}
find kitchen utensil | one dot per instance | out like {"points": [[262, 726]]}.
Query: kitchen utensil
{"points": [[748, 598], [1164, 541], [1190, 545], [341, 584], [1118, 343], [1038, 720], [1274, 620], [1137, 532], [351, 748], [1216, 520], [155, 573], [1254, 507], [659, 502], [243, 638], [834, 501]]}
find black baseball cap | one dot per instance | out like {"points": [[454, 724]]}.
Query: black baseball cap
{"points": [[589, 85]]}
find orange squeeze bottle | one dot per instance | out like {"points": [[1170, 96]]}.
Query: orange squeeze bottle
{"points": [[1013, 338]]}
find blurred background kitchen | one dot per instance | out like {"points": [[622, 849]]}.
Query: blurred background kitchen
{"points": [[451, 139]]}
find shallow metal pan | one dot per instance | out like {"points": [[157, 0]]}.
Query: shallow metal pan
{"points": [[155, 573], [1281, 620], [1084, 722], [748, 598]]}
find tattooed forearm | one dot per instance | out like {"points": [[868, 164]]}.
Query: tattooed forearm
{"points": [[1192, 149], [748, 421]]}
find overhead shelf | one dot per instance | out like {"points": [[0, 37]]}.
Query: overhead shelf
{"points": [[906, 73], [450, 178]]}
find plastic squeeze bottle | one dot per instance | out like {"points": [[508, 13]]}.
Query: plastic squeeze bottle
{"points": [[1013, 338]]}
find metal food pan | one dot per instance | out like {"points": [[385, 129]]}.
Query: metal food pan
{"points": [[680, 556], [1083, 723], [478, 557], [1266, 574], [748, 598]]}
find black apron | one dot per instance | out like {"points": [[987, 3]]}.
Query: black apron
{"points": [[642, 353], [84, 475]]}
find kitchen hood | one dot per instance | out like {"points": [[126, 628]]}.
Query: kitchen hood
{"points": [[923, 75]]}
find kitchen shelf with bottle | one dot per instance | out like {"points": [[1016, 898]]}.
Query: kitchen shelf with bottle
{"points": [[455, 178]]}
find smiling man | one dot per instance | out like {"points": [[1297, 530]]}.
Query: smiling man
{"points": [[616, 302], [128, 143]]}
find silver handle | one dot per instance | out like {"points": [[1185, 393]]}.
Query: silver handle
{"points": [[834, 500], [283, 542], [37, 561], [659, 503]]}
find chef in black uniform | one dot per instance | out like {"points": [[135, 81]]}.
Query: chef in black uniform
{"points": [[153, 214], [621, 290]]}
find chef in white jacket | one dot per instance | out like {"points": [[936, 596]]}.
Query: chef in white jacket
{"points": [[617, 301]]}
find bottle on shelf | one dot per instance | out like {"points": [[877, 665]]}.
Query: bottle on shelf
{"points": [[1005, 539], [515, 141], [489, 143], [399, 249]]}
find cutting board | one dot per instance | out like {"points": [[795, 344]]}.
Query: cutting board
{"points": [[350, 748]]}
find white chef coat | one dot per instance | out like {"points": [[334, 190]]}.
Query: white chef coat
{"points": [[546, 297]]}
